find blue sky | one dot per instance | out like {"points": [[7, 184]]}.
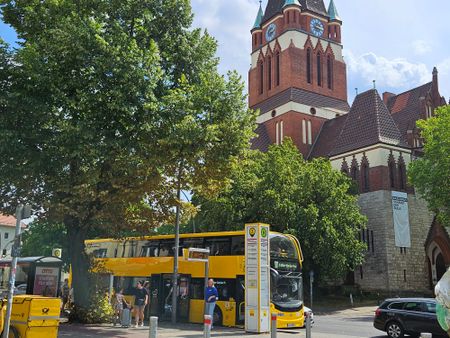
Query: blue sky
{"points": [[397, 43]]}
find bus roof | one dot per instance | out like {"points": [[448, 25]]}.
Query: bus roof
{"points": [[190, 235]]}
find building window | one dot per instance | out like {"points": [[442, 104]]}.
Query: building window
{"points": [[404, 275], [279, 132], [309, 133], [361, 272], [402, 176], [429, 111], [277, 69], [304, 131], [6, 235], [365, 177], [392, 173], [261, 78], [329, 72], [269, 73], [277, 136], [308, 65], [319, 69]]}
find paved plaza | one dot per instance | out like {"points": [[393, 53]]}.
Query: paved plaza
{"points": [[339, 324]]}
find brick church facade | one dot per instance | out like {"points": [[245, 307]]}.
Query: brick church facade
{"points": [[298, 82]]}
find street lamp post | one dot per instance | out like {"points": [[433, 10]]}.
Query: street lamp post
{"points": [[21, 213]]}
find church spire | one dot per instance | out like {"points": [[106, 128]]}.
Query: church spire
{"points": [[332, 11], [259, 17], [291, 2]]}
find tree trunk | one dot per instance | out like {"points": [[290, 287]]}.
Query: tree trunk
{"points": [[79, 261]]}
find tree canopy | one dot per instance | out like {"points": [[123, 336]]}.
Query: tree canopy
{"points": [[103, 105], [430, 174], [306, 198]]}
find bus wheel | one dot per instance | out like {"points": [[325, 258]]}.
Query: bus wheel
{"points": [[217, 317]]}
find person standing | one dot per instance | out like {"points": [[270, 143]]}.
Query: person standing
{"points": [[140, 301], [119, 302], [65, 294], [211, 297]]}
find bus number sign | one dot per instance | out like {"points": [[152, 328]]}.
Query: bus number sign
{"points": [[198, 255]]}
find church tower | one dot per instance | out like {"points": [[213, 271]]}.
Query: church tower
{"points": [[298, 76]]}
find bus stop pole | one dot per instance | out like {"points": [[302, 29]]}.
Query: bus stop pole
{"points": [[206, 281], [15, 253]]}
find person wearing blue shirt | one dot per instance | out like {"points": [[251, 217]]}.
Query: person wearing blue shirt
{"points": [[211, 297]]}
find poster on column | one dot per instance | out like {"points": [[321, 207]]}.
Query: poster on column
{"points": [[46, 281], [401, 219]]}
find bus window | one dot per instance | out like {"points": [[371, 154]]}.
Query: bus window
{"points": [[197, 287], [150, 249], [192, 243], [100, 253], [226, 288], [237, 246], [166, 248], [282, 247], [218, 246]]}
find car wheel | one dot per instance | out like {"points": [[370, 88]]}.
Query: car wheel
{"points": [[394, 330]]}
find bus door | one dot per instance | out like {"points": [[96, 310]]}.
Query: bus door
{"points": [[240, 300], [182, 297], [155, 300]]}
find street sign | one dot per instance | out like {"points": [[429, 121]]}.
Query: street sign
{"points": [[257, 278], [197, 255], [57, 253]]}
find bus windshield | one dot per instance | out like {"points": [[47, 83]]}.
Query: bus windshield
{"points": [[282, 247], [286, 283]]}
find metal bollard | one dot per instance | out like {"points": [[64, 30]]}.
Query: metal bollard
{"points": [[273, 326], [426, 335], [153, 331], [207, 321], [308, 325]]}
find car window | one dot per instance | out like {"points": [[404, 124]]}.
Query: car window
{"points": [[430, 307], [413, 306], [396, 306]]}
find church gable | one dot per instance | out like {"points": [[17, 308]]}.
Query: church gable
{"points": [[369, 122]]}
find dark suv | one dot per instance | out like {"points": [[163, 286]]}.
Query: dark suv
{"points": [[411, 316]]}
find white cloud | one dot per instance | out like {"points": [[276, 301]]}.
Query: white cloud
{"points": [[421, 47], [394, 73], [229, 22]]}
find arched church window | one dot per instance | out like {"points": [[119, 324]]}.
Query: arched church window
{"points": [[308, 65], [402, 176], [319, 69], [392, 173], [329, 72], [269, 73], [277, 68], [365, 177], [261, 77]]}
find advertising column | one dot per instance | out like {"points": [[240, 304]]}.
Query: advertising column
{"points": [[257, 278]]}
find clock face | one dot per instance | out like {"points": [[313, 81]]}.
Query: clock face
{"points": [[317, 27], [271, 31]]}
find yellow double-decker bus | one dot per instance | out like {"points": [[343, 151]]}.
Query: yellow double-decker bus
{"points": [[151, 259]]}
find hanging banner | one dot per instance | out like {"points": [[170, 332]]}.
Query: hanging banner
{"points": [[401, 219], [257, 278]]}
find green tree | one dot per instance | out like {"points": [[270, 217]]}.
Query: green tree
{"points": [[308, 199], [430, 174], [88, 118]]}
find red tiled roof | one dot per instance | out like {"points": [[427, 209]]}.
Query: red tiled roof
{"points": [[368, 122], [275, 6], [327, 137], [262, 140], [406, 108], [301, 96], [7, 220]]}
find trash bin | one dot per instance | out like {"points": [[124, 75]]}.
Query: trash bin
{"points": [[36, 316]]}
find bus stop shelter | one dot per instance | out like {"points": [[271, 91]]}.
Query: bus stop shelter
{"points": [[41, 274]]}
